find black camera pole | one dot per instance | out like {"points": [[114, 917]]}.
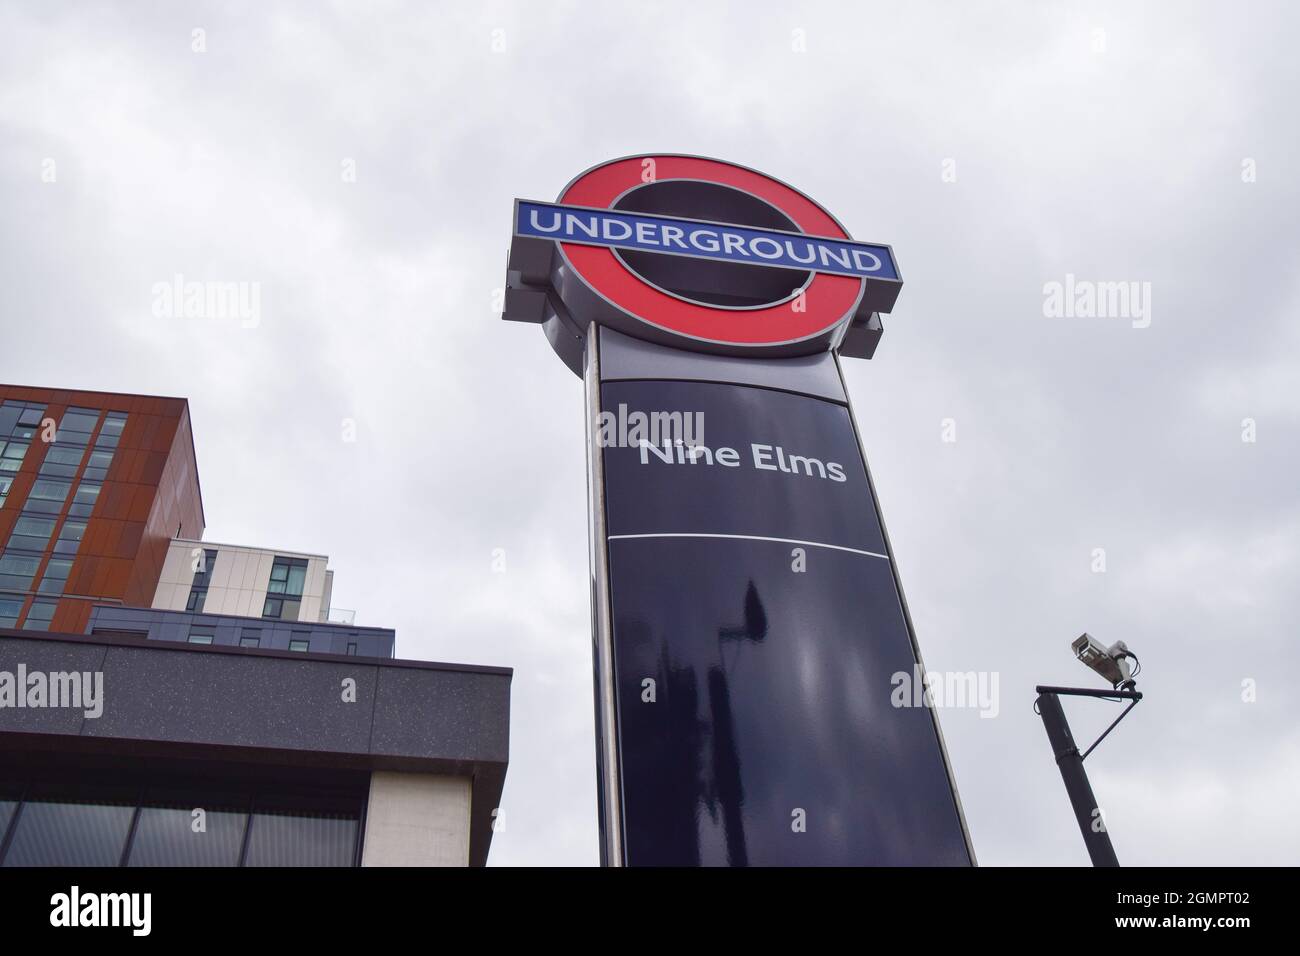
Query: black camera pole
{"points": [[1070, 762]]}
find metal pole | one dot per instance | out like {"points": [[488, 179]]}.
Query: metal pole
{"points": [[609, 793], [1076, 781]]}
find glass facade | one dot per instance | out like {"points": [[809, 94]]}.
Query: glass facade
{"points": [[133, 816], [204, 563], [19, 422], [201, 634], [294, 839], [68, 833], [284, 590], [37, 558], [166, 836], [39, 616], [11, 605]]}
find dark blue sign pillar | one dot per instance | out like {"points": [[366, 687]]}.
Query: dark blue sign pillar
{"points": [[747, 616], [752, 626]]}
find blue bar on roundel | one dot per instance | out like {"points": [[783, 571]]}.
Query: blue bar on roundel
{"points": [[645, 232]]}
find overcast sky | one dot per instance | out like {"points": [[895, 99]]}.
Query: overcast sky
{"points": [[998, 147]]}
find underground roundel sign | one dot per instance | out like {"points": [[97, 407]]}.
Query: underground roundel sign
{"points": [[698, 254]]}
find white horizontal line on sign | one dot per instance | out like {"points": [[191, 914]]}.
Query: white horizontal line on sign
{"points": [[748, 537]]}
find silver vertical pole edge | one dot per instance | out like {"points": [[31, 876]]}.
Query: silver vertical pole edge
{"points": [[602, 628]]}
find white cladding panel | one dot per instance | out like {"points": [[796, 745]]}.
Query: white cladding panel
{"points": [[239, 580]]}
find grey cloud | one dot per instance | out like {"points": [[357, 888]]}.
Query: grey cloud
{"points": [[1072, 433]]}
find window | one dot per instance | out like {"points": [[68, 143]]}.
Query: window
{"points": [[12, 454], [9, 414], [37, 527], [201, 634], [11, 605], [51, 490], [39, 616], [284, 590], [100, 459], [110, 433], [202, 575], [32, 533], [97, 467], [18, 423], [250, 637], [62, 461], [352, 650], [64, 454], [50, 833], [132, 813], [83, 502], [17, 570], [203, 568], [48, 495], [292, 839], [70, 537], [288, 575], [283, 609], [78, 421], [56, 575], [19, 420], [64, 457], [299, 644], [164, 836]]}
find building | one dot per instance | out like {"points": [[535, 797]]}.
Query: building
{"points": [[207, 593], [170, 701]]}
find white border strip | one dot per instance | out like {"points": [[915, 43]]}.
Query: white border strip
{"points": [[750, 537]]}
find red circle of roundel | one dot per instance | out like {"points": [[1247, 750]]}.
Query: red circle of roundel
{"points": [[828, 299]]}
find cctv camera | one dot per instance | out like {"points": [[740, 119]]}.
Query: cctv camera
{"points": [[1110, 662]]}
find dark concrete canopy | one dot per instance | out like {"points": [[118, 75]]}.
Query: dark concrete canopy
{"points": [[252, 706]]}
